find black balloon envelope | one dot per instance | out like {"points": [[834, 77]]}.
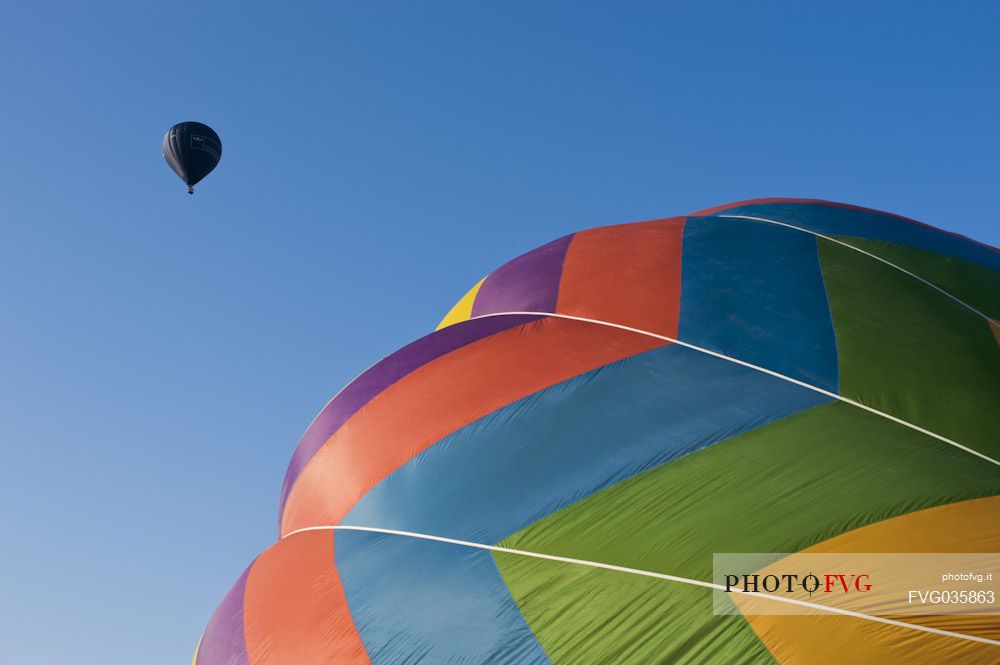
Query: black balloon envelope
{"points": [[192, 150]]}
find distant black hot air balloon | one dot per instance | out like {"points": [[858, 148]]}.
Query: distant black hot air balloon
{"points": [[192, 150]]}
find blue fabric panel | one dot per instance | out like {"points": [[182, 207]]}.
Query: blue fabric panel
{"points": [[557, 446], [418, 601], [836, 220], [755, 292]]}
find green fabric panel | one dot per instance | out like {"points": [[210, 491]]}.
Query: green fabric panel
{"points": [[588, 616], [779, 488], [970, 282], [912, 352]]}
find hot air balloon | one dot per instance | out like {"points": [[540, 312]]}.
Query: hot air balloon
{"points": [[192, 150], [546, 477]]}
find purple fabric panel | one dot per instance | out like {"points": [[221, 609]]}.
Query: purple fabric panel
{"points": [[389, 370], [224, 642], [529, 283]]}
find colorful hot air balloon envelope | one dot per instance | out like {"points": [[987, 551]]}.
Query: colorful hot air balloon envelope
{"points": [[545, 478], [192, 150]]}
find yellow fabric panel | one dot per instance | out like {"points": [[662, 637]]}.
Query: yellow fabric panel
{"points": [[194, 661], [462, 311], [966, 526]]}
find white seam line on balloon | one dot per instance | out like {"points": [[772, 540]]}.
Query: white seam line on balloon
{"points": [[752, 218], [644, 573], [783, 377], [776, 223], [756, 219], [858, 249]]}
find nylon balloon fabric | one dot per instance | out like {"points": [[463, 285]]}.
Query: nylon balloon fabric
{"points": [[777, 375], [192, 150]]}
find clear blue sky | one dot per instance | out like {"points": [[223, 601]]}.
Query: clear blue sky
{"points": [[160, 354]]}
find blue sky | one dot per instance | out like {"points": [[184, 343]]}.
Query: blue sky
{"points": [[160, 354]]}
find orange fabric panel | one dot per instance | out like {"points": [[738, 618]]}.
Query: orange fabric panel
{"points": [[958, 527], [835, 640], [995, 327], [294, 608], [441, 397], [628, 274]]}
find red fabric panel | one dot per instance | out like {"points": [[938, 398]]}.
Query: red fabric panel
{"points": [[294, 609], [440, 398], [628, 274]]}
